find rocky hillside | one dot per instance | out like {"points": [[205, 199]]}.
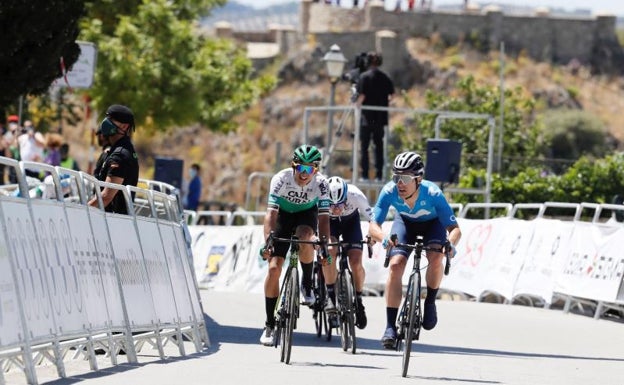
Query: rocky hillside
{"points": [[276, 122]]}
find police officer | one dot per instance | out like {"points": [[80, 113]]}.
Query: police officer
{"points": [[121, 165]]}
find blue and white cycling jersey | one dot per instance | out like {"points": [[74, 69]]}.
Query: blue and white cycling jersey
{"points": [[430, 204]]}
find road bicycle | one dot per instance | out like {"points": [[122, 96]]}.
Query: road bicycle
{"points": [[409, 320], [287, 306], [346, 296]]}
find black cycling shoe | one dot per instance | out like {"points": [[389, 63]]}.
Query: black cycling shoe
{"points": [[360, 317], [430, 319], [389, 339]]}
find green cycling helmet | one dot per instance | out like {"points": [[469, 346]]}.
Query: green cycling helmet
{"points": [[307, 154]]}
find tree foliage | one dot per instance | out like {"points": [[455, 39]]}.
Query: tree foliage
{"points": [[521, 138], [574, 133], [35, 36], [152, 58]]}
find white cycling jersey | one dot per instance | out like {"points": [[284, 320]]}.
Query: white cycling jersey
{"points": [[356, 200], [285, 194]]}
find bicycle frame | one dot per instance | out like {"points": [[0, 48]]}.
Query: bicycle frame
{"points": [[287, 306], [409, 319], [346, 297]]}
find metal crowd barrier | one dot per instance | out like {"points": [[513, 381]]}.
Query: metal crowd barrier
{"points": [[76, 278]]}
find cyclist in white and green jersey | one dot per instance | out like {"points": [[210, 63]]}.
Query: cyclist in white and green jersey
{"points": [[299, 204]]}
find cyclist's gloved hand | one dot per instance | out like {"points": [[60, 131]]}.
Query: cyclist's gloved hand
{"points": [[264, 252], [451, 249], [385, 242]]}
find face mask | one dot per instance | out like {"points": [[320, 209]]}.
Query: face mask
{"points": [[193, 173]]}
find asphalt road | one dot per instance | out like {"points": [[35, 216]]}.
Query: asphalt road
{"points": [[474, 343]]}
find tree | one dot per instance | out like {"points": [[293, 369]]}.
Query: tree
{"points": [[35, 36], [153, 59], [522, 134]]}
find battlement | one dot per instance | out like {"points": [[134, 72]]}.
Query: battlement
{"points": [[587, 39]]}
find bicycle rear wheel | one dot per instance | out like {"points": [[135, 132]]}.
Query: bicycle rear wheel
{"points": [[411, 322], [290, 318]]}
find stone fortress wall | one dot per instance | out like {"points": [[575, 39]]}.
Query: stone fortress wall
{"points": [[590, 40]]}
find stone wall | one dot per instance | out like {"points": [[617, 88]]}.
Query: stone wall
{"points": [[586, 40], [542, 37]]}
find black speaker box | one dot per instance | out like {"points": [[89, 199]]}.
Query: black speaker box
{"points": [[443, 160], [169, 170]]}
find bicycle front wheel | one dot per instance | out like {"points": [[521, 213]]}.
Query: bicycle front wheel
{"points": [[291, 297], [411, 325], [320, 318], [346, 295]]}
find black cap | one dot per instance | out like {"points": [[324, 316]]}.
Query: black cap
{"points": [[121, 114]]}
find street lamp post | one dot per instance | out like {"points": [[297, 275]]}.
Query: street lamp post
{"points": [[334, 62]]}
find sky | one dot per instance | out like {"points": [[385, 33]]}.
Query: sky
{"points": [[615, 7]]}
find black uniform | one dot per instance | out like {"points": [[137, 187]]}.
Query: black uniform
{"points": [[123, 154], [376, 86]]}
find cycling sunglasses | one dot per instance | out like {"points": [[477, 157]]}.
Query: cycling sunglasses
{"points": [[301, 168], [337, 206], [405, 179]]}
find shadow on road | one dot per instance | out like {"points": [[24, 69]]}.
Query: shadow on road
{"points": [[244, 335]]}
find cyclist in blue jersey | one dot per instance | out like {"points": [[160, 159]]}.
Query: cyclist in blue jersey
{"points": [[347, 203], [421, 209], [298, 203]]}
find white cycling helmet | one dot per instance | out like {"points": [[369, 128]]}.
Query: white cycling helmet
{"points": [[337, 190], [408, 163]]}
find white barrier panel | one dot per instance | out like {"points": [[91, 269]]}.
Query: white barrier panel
{"points": [[472, 251], [86, 258], [30, 270], [11, 328], [73, 276], [227, 257], [595, 265], [549, 247], [106, 263], [61, 268], [187, 263], [180, 281], [157, 273], [132, 273], [506, 256], [510, 241]]}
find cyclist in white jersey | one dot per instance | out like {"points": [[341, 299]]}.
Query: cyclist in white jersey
{"points": [[298, 203], [347, 204], [422, 210]]}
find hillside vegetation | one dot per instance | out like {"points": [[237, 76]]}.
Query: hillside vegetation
{"points": [[228, 159]]}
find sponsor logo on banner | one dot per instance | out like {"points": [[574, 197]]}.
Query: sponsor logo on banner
{"points": [[215, 255]]}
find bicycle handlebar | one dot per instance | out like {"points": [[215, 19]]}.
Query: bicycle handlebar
{"points": [[362, 242], [445, 249], [319, 242]]}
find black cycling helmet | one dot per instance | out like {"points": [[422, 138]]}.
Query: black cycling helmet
{"points": [[307, 154], [408, 163]]}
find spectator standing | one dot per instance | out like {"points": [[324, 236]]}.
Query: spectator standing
{"points": [[374, 89], [53, 153], [31, 147], [121, 165], [194, 188], [10, 138], [66, 160]]}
